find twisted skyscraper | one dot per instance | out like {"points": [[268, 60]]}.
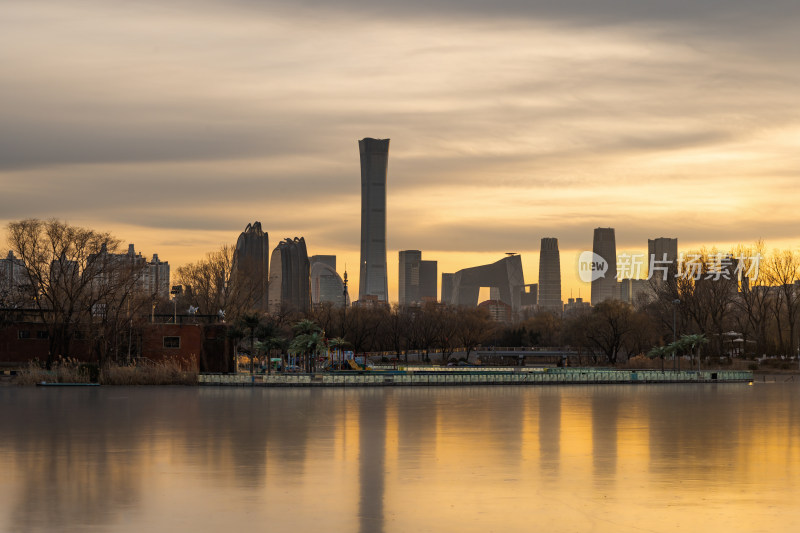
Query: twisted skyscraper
{"points": [[289, 278], [372, 272], [251, 264]]}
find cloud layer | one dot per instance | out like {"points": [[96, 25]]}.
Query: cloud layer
{"points": [[177, 123]]}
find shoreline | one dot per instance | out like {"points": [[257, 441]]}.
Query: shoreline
{"points": [[498, 376], [459, 376]]}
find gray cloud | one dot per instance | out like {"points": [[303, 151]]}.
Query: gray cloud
{"points": [[575, 232], [606, 11], [203, 116]]}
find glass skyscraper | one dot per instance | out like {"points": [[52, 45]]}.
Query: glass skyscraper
{"points": [[604, 244], [550, 276], [372, 269]]}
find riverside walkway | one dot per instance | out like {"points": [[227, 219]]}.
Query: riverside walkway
{"points": [[460, 376]]}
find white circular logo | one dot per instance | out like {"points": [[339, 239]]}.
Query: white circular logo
{"points": [[591, 267]]}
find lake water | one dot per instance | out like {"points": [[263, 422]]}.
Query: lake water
{"points": [[656, 458]]}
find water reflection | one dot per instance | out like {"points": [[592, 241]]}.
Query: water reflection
{"points": [[386, 460], [550, 429], [372, 451], [605, 419]]}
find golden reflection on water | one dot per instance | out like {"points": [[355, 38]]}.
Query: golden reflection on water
{"points": [[603, 458]]}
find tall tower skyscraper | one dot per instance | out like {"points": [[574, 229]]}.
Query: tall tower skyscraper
{"points": [[663, 253], [604, 245], [374, 162], [550, 276]]}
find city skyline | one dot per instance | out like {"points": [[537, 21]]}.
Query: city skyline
{"points": [[173, 125]]}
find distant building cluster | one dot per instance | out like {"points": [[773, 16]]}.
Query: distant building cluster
{"points": [[285, 278], [154, 274], [626, 282], [151, 277], [509, 295]]}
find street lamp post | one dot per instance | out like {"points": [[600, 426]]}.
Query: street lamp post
{"points": [[675, 304], [176, 290]]}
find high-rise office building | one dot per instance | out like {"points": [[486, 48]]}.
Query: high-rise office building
{"points": [[14, 280], [636, 292], [529, 298], [408, 277], [604, 245], [428, 278], [155, 278], [151, 278], [505, 276], [326, 284], [662, 258], [447, 288], [550, 276], [416, 278], [372, 270], [251, 264], [290, 277], [329, 260]]}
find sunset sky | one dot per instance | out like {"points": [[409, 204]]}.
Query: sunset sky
{"points": [[174, 123]]}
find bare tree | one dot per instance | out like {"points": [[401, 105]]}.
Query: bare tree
{"points": [[397, 331], [74, 281], [425, 328], [447, 331], [782, 271], [544, 328], [753, 302], [211, 285], [609, 326], [475, 326], [362, 325]]}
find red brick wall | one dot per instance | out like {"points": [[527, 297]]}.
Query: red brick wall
{"points": [[14, 349], [205, 345], [191, 342]]}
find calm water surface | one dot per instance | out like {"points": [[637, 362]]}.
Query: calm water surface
{"points": [[658, 458]]}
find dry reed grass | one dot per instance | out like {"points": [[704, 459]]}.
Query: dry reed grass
{"points": [[166, 372], [61, 371]]}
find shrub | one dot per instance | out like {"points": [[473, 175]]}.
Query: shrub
{"points": [[641, 362]]}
